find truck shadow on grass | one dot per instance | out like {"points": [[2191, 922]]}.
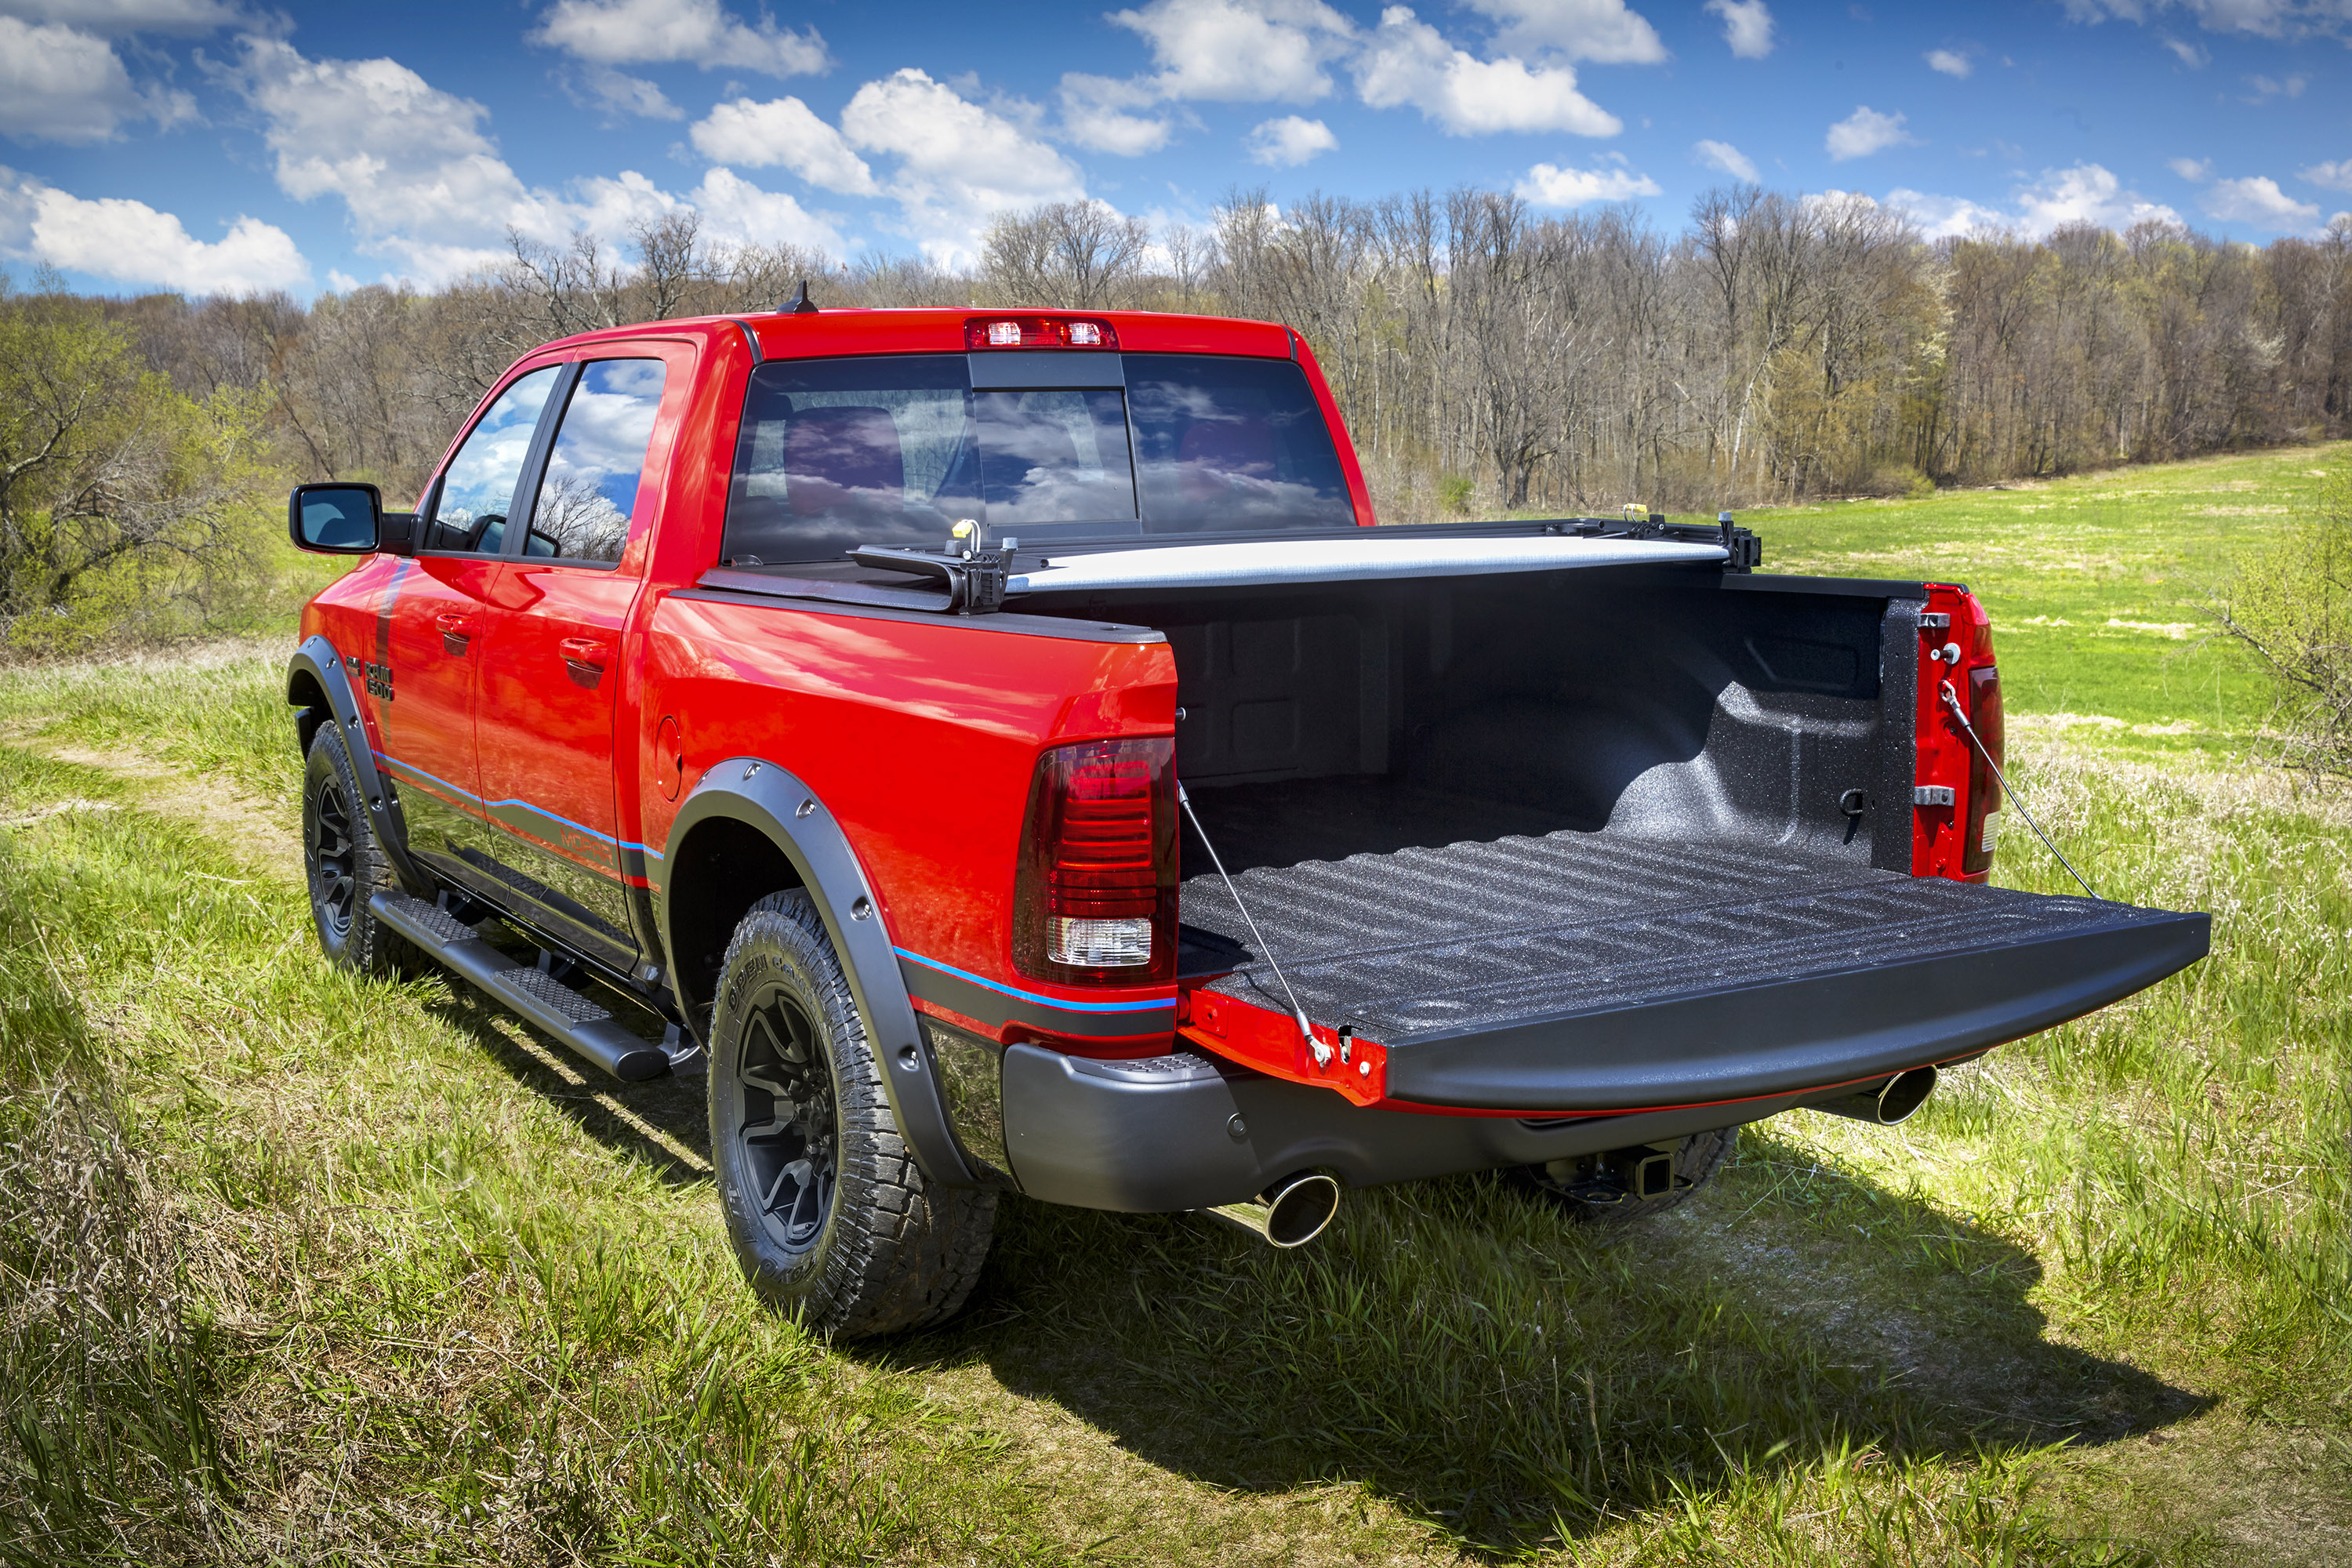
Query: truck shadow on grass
{"points": [[1507, 1376], [1491, 1368]]}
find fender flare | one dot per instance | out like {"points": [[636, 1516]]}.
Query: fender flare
{"points": [[318, 658], [773, 800]]}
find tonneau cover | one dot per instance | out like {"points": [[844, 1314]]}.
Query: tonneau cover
{"points": [[1350, 560]]}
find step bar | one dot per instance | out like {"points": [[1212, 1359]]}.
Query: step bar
{"points": [[586, 1025]]}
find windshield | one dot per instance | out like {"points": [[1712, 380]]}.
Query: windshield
{"points": [[898, 449]]}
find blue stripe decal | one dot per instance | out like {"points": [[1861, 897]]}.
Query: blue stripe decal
{"points": [[538, 810], [1165, 1001]]}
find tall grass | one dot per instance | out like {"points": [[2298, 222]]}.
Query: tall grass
{"points": [[369, 1273]]}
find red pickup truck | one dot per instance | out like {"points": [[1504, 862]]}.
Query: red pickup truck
{"points": [[999, 749]]}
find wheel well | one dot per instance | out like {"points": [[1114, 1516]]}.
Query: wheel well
{"points": [[303, 691], [724, 866]]}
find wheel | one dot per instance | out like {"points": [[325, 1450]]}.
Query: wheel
{"points": [[1601, 1189], [830, 1216], [345, 866]]}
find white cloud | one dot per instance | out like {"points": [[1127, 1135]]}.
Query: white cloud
{"points": [[1094, 115], [1547, 186], [57, 84], [2265, 87], [407, 159], [2261, 203], [959, 163], [735, 211], [2196, 171], [1946, 217], [1289, 141], [786, 132], [1603, 31], [1951, 62], [618, 92], [691, 32], [2085, 193], [118, 16], [2189, 54], [131, 242], [2337, 176], [420, 179], [1747, 26], [2264, 18], [1865, 132], [1250, 51], [1724, 156], [1406, 62]]}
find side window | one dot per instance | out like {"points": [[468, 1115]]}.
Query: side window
{"points": [[469, 509], [590, 489]]}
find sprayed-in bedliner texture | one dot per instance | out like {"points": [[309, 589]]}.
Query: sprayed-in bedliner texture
{"points": [[1434, 941]]}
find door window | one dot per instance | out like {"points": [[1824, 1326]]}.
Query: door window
{"points": [[469, 509], [590, 490]]}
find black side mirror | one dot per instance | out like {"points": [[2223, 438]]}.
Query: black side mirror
{"points": [[335, 518]]}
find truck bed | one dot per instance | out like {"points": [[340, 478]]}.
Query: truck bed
{"points": [[1565, 971]]}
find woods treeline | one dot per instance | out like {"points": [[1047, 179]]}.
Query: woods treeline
{"points": [[1773, 348]]}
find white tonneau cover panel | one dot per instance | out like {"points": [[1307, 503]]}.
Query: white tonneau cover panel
{"points": [[1344, 561]]}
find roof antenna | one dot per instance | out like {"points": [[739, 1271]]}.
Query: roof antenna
{"points": [[803, 306]]}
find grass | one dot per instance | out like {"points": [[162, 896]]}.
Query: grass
{"points": [[295, 1268]]}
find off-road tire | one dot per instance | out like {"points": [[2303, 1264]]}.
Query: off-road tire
{"points": [[1695, 1162], [875, 1247], [344, 866]]}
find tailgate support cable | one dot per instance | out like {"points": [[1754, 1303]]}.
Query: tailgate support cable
{"points": [[1297, 1013], [1952, 706]]}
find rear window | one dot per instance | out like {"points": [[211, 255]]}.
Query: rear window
{"points": [[898, 449]]}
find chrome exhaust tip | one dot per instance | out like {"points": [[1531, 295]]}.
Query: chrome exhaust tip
{"points": [[1291, 1212], [1883, 1104]]}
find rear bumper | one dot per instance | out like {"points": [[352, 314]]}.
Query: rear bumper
{"points": [[1798, 1034], [1177, 1132]]}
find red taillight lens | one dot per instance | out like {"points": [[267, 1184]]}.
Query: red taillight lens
{"points": [[1038, 332], [1095, 897], [1984, 789]]}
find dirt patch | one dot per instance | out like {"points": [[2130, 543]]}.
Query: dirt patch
{"points": [[251, 830]]}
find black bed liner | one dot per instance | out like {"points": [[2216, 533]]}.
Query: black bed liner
{"points": [[1587, 971]]}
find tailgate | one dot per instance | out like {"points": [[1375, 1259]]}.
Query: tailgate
{"points": [[1580, 971]]}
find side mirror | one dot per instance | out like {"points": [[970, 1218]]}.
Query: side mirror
{"points": [[335, 518]]}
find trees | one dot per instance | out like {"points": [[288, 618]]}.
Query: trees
{"points": [[116, 489]]}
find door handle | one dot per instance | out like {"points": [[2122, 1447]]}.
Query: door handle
{"points": [[456, 629], [584, 650]]}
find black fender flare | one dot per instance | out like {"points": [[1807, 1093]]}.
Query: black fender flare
{"points": [[317, 658], [772, 800]]}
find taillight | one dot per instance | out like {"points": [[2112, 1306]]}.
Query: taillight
{"points": [[1037, 332], [1956, 796], [1094, 900]]}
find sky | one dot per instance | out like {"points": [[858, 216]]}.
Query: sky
{"points": [[215, 147]]}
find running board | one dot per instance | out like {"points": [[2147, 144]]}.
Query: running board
{"points": [[583, 1024]]}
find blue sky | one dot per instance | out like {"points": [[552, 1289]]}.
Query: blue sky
{"points": [[213, 145]]}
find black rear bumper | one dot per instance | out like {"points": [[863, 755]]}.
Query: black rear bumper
{"points": [[1183, 1132]]}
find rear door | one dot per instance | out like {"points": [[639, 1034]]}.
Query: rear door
{"points": [[429, 623], [553, 634]]}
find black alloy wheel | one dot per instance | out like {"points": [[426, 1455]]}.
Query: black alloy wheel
{"points": [[345, 867], [789, 1116], [334, 869], [831, 1216]]}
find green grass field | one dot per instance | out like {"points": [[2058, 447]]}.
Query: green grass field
{"points": [[295, 1268]]}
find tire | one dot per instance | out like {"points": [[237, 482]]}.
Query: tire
{"points": [[1573, 1184], [831, 1217], [344, 866]]}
